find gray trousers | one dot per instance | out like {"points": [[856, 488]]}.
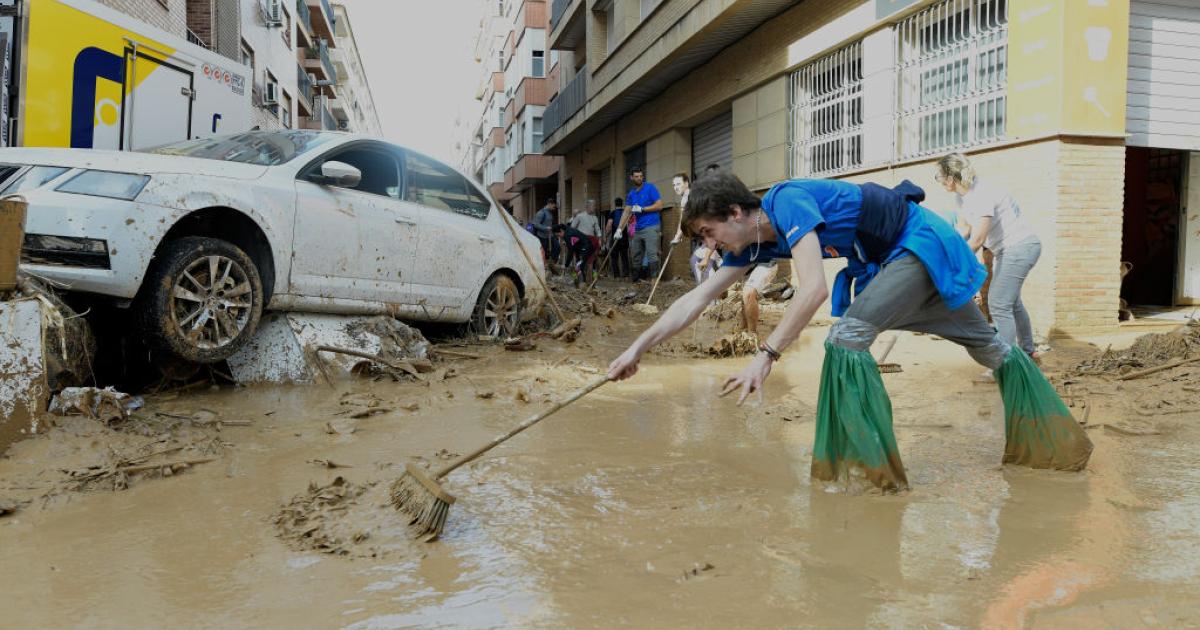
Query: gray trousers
{"points": [[902, 297], [643, 247], [1010, 267]]}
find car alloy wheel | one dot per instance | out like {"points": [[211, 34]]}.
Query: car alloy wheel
{"points": [[212, 301], [501, 307]]}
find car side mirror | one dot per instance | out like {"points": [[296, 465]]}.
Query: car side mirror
{"points": [[334, 173]]}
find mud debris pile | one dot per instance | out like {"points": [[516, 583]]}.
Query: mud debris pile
{"points": [[736, 344], [342, 518], [1147, 351]]}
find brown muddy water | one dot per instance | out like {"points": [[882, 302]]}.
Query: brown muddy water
{"points": [[650, 503]]}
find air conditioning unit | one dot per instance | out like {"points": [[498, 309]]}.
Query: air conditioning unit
{"points": [[272, 12], [271, 94], [343, 125]]}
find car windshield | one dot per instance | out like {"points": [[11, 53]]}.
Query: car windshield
{"points": [[266, 148]]}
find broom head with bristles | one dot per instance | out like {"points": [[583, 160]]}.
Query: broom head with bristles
{"points": [[890, 368], [423, 499]]}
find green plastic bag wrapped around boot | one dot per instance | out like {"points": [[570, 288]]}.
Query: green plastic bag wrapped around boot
{"points": [[854, 423], [1039, 430]]}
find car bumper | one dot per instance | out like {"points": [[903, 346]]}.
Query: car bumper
{"points": [[130, 232]]}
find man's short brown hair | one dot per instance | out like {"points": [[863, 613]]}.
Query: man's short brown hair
{"points": [[683, 176], [713, 197]]}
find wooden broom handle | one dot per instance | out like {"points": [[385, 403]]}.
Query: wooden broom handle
{"points": [[890, 344], [661, 269], [521, 427], [621, 227]]}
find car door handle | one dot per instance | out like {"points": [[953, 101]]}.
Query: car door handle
{"points": [[486, 239], [403, 221]]}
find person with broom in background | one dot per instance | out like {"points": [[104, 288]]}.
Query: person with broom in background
{"points": [[907, 269]]}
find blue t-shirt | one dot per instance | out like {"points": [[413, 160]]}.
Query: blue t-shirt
{"points": [[801, 206], [645, 196], [616, 217]]}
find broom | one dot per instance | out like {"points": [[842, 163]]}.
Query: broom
{"points": [[419, 494], [889, 368]]}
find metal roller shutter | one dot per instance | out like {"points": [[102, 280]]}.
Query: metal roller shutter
{"points": [[1163, 96], [606, 188], [712, 143]]}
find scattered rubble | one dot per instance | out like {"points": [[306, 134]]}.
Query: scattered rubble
{"points": [[106, 405]]}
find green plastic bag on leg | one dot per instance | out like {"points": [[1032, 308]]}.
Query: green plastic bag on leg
{"points": [[854, 423], [1038, 427]]}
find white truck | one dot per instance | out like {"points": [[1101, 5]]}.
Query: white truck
{"points": [[83, 75]]}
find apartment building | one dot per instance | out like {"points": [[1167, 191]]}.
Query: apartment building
{"points": [[518, 73], [353, 108], [1086, 109]]}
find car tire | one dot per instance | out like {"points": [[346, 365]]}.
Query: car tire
{"points": [[498, 309], [201, 300]]}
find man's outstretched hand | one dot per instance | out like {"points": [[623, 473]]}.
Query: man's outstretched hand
{"points": [[625, 365], [749, 379]]}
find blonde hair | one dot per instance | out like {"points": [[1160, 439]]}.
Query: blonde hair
{"points": [[957, 167]]}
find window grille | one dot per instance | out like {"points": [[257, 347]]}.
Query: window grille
{"points": [[826, 114], [952, 76]]}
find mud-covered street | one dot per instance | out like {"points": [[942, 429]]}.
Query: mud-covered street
{"points": [[650, 502]]}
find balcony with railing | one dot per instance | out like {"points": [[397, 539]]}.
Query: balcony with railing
{"points": [[322, 18], [195, 39], [317, 62], [530, 169], [567, 26], [532, 14], [530, 91], [327, 119], [304, 89], [570, 100], [304, 37]]}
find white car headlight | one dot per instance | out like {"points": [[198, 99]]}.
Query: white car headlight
{"points": [[106, 184]]}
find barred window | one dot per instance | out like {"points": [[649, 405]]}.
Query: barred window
{"points": [[826, 114], [952, 63]]}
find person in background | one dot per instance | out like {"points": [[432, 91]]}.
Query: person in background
{"points": [[704, 262], [619, 240], [580, 246], [646, 204], [586, 223], [543, 221], [994, 220], [682, 184]]}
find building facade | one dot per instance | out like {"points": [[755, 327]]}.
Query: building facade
{"points": [[1087, 111], [353, 108], [518, 79]]}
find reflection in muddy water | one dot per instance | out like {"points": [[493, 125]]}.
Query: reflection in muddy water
{"points": [[652, 504]]}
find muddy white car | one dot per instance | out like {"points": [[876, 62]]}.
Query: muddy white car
{"points": [[198, 238]]}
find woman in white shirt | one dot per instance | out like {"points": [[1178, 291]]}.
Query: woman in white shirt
{"points": [[995, 222]]}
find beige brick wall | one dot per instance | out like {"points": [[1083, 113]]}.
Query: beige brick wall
{"points": [[171, 18], [666, 155], [760, 134], [1091, 191]]}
